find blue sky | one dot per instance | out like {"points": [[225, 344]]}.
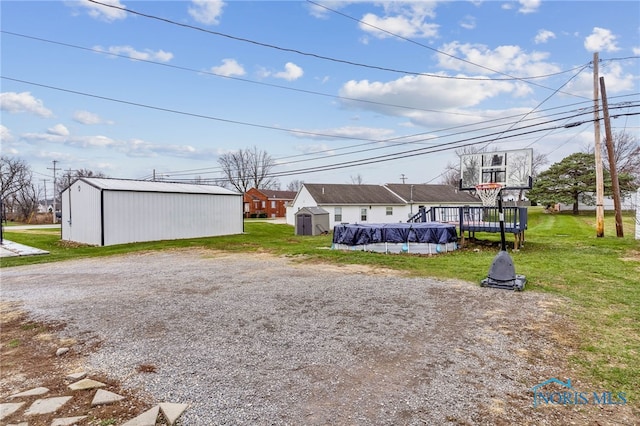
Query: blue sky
{"points": [[389, 89]]}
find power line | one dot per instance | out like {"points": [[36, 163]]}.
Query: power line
{"points": [[190, 114], [510, 77], [314, 55], [271, 127], [245, 80]]}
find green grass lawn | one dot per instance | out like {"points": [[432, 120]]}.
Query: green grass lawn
{"points": [[561, 256]]}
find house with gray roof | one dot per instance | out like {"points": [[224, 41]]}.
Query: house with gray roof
{"points": [[390, 203]]}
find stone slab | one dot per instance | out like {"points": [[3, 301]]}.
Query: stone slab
{"points": [[67, 421], [8, 408], [9, 248], [148, 418], [31, 392], [47, 405], [171, 411], [86, 384], [103, 397], [76, 376]]}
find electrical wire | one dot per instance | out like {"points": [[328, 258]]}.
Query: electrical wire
{"points": [[510, 77], [314, 55], [245, 80]]}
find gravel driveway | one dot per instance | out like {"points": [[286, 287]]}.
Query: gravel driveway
{"points": [[254, 339]]}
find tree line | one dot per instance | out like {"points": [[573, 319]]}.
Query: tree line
{"points": [[570, 181]]}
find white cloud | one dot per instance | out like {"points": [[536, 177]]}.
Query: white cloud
{"points": [[506, 59], [5, 135], [601, 40], [13, 103], [142, 148], [206, 11], [58, 130], [146, 55], [543, 36], [345, 132], [529, 6], [103, 13], [616, 80], [229, 67], [320, 148], [322, 13], [86, 117], [468, 22], [636, 50], [291, 72], [428, 101], [405, 20]]}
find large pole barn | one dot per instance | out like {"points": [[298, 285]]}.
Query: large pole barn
{"points": [[103, 212]]}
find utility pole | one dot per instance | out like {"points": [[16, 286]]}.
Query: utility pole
{"points": [[615, 183], [45, 192], [55, 162], [598, 152], [403, 178]]}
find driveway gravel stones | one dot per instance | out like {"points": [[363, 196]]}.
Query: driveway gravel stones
{"points": [[250, 339]]}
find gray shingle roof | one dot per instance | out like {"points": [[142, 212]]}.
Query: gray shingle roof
{"points": [[388, 194], [351, 194], [432, 193]]}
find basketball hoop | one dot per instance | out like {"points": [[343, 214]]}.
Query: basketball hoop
{"points": [[488, 192]]}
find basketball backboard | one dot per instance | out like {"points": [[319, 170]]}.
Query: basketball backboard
{"points": [[512, 169]]}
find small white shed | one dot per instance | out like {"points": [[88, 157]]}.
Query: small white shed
{"points": [[103, 212]]}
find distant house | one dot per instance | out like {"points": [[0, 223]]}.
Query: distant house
{"points": [[391, 203], [266, 202]]}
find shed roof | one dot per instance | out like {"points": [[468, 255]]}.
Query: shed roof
{"points": [[109, 184], [351, 194], [431, 193], [280, 195], [312, 210]]}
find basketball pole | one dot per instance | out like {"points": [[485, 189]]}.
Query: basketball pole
{"points": [[503, 240], [502, 273]]}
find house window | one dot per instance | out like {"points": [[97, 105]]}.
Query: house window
{"points": [[264, 204], [389, 211], [363, 214], [273, 204], [337, 214]]}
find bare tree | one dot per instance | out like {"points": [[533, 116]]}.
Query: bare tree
{"points": [[248, 168], [626, 150], [295, 185], [15, 177], [26, 203], [70, 176], [451, 174], [357, 179]]}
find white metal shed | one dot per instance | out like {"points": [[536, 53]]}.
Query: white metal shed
{"points": [[103, 212]]}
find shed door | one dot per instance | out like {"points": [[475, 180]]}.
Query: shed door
{"points": [[304, 224]]}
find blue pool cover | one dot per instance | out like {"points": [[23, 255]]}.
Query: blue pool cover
{"points": [[359, 234]]}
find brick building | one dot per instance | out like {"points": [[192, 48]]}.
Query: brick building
{"points": [[267, 202]]}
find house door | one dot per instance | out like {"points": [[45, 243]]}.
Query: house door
{"points": [[304, 224]]}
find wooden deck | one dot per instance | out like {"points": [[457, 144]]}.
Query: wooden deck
{"points": [[470, 220]]}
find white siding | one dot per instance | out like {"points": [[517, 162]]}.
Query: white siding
{"points": [[81, 217], [637, 207], [153, 216], [99, 212], [303, 199]]}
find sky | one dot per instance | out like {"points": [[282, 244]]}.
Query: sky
{"points": [[334, 92]]}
